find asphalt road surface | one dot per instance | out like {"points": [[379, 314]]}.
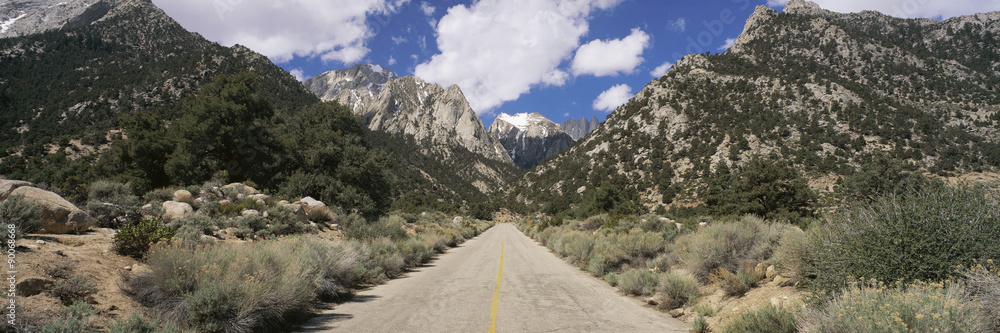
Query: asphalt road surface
{"points": [[458, 292]]}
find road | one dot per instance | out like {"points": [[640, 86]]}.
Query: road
{"points": [[538, 292]]}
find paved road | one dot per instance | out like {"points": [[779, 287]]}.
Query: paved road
{"points": [[538, 292]]}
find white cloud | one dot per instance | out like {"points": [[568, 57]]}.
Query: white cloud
{"points": [[662, 69], [331, 29], [428, 9], [497, 50], [611, 99], [392, 61], [679, 24], [606, 58], [727, 44], [555, 78], [906, 8], [398, 40], [298, 74]]}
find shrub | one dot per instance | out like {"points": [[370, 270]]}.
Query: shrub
{"points": [[384, 227], [638, 282], [134, 240], [641, 244], [926, 236], [596, 265], [769, 319], [770, 188], [284, 222], [137, 323], [21, 213], [113, 204], [159, 195], [983, 286], [78, 317], [74, 289], [201, 223], [416, 251], [793, 256], [247, 227], [384, 261], [612, 279], [917, 307], [729, 245], [736, 284], [242, 287], [679, 288], [700, 325], [237, 207], [703, 310]]}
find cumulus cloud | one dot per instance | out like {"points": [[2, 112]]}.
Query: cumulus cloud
{"points": [[611, 57], [497, 50], [331, 29], [611, 99], [906, 8], [392, 61], [727, 44], [662, 69], [298, 74]]}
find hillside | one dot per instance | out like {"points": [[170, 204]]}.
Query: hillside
{"points": [[819, 89], [64, 89]]}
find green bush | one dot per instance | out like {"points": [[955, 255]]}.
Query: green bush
{"points": [[237, 207], [926, 236], [703, 310], [250, 226], [700, 325], [137, 323], [763, 187], [74, 289], [285, 222], [384, 227], [159, 195], [917, 307], [596, 265], [134, 240], [201, 223], [384, 261], [76, 318], [416, 250], [21, 213], [729, 245], [113, 204], [679, 288], [736, 284], [638, 281], [769, 319]]}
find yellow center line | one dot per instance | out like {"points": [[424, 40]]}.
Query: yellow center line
{"points": [[496, 295]]}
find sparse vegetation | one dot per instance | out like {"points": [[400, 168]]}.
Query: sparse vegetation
{"points": [[871, 306], [768, 319], [20, 213], [728, 245], [134, 240], [74, 289]]}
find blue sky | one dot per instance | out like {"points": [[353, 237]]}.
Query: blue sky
{"points": [[561, 58]]}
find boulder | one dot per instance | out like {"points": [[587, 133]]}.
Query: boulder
{"points": [[457, 219], [242, 188], [186, 197], [300, 213], [7, 186], [250, 212], [770, 273], [678, 312], [315, 209], [57, 215], [174, 210]]}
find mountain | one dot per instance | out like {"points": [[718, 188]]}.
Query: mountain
{"points": [[579, 128], [530, 138], [69, 77], [437, 122], [354, 87], [819, 89]]}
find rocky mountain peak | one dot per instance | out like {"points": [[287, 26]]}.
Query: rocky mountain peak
{"points": [[803, 7], [352, 86], [579, 128], [530, 138]]}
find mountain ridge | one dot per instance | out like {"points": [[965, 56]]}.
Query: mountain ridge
{"points": [[529, 138]]}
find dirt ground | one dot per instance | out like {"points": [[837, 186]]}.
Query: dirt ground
{"points": [[44, 260]]}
